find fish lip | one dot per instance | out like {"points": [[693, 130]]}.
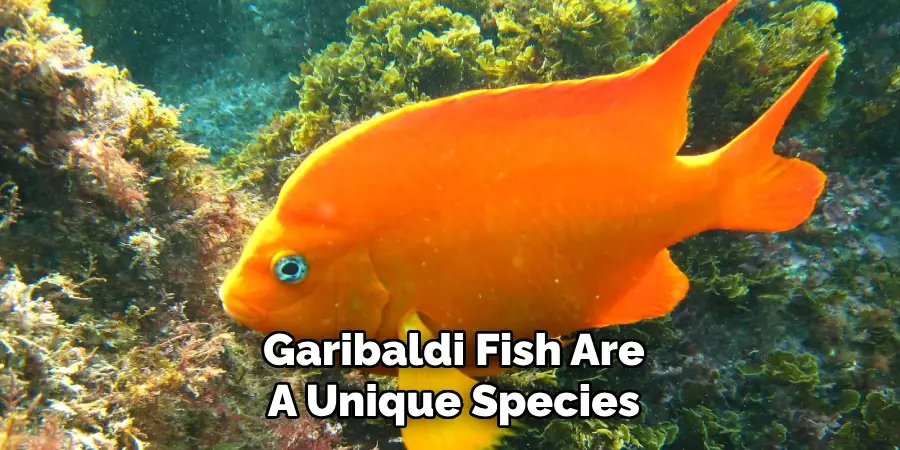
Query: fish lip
{"points": [[244, 313]]}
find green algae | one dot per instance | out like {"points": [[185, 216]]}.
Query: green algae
{"points": [[869, 86], [719, 266], [882, 414], [584, 434], [109, 255], [754, 61], [550, 40], [400, 52], [874, 427], [848, 401], [711, 428], [793, 368]]}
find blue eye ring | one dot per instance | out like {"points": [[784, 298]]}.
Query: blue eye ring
{"points": [[291, 269]]}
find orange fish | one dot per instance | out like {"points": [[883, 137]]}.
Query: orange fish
{"points": [[535, 207]]}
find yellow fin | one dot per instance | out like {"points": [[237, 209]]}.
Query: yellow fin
{"points": [[461, 433], [654, 294]]}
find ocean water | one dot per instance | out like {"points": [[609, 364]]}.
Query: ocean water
{"points": [[142, 144]]}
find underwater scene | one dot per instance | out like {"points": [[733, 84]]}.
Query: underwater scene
{"points": [[628, 224]]}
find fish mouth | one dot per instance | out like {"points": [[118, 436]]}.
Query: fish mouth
{"points": [[245, 314], [238, 308]]}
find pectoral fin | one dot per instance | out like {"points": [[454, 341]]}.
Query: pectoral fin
{"points": [[461, 433], [655, 293]]}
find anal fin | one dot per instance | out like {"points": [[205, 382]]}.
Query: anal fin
{"points": [[654, 294], [463, 432]]}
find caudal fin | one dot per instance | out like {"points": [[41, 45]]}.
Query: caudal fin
{"points": [[762, 191]]}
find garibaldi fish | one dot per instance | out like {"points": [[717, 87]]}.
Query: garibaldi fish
{"points": [[535, 207]]}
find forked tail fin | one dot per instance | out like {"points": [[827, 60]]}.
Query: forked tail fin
{"points": [[760, 190]]}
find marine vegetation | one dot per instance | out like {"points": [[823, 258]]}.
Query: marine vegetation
{"points": [[869, 105], [111, 238]]}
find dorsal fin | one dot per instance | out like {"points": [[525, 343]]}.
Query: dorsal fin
{"points": [[642, 110], [637, 115], [662, 85]]}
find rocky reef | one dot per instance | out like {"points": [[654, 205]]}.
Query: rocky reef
{"points": [[112, 240], [115, 230]]}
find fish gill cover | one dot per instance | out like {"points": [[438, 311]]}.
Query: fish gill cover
{"points": [[115, 229]]}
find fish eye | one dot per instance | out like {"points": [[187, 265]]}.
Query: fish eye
{"points": [[291, 269]]}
